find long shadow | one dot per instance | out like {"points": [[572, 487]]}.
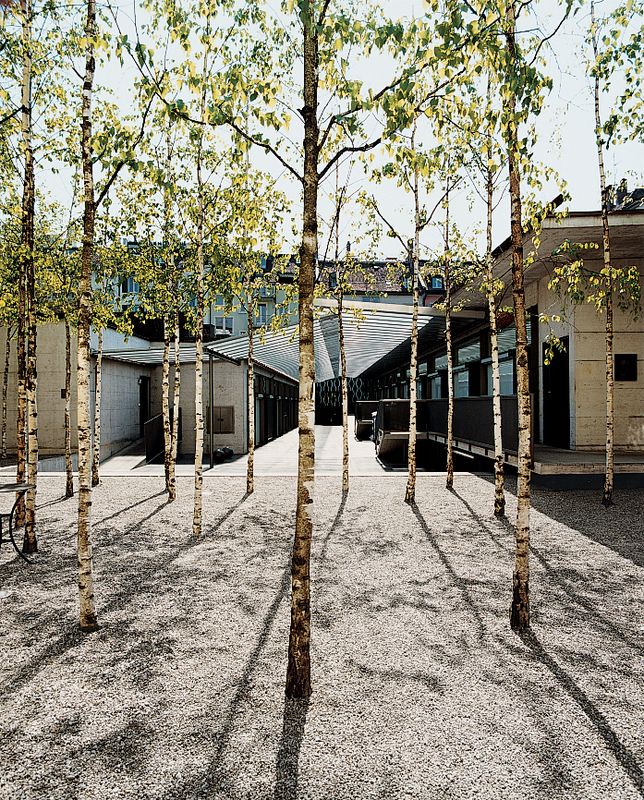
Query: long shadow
{"points": [[133, 528], [620, 528], [128, 508], [228, 514], [55, 502], [481, 522], [459, 582], [206, 783], [115, 602], [623, 755], [287, 768], [334, 525], [586, 604]]}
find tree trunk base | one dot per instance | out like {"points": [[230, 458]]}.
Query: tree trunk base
{"points": [[95, 482], [298, 680], [607, 499], [410, 497], [29, 546], [520, 609], [499, 508], [69, 491], [90, 625]]}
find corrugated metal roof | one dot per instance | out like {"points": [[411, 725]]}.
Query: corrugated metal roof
{"points": [[368, 337]]}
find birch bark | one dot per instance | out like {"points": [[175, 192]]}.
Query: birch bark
{"points": [[520, 609], [88, 619], [30, 544], [165, 403], [609, 477], [176, 389], [69, 468], [98, 383], [410, 492], [5, 387], [450, 356], [250, 386], [298, 675], [499, 479]]}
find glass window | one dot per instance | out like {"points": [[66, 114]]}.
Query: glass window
{"points": [[469, 352], [435, 387], [262, 314], [506, 375], [440, 362], [462, 383]]}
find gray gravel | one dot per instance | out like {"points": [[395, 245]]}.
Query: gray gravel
{"points": [[420, 688]]}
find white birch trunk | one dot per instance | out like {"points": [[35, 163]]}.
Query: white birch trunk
{"points": [[298, 674], [499, 461], [449, 482], [176, 389], [520, 609], [88, 620], [250, 386], [98, 382], [5, 386], [609, 477], [69, 467], [410, 491], [165, 403]]}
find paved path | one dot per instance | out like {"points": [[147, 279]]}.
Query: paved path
{"points": [[278, 458]]}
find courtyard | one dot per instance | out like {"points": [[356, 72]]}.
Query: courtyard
{"points": [[420, 689]]}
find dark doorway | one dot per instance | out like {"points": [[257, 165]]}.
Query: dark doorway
{"points": [[556, 398], [144, 402]]}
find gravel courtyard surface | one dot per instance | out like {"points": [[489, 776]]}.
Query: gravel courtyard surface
{"points": [[420, 688]]}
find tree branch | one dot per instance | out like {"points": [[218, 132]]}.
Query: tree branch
{"points": [[123, 162]]}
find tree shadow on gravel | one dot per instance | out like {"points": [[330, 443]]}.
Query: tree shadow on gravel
{"points": [[214, 528], [620, 528], [623, 755], [459, 582], [325, 544], [214, 779], [72, 636], [127, 508], [288, 756], [483, 523]]}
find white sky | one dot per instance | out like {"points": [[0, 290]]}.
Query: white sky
{"points": [[565, 127]]}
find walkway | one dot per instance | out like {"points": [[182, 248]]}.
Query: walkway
{"points": [[278, 458]]}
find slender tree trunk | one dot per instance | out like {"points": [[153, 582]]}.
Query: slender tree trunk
{"points": [[343, 353], [69, 468], [449, 482], [250, 469], [26, 253], [198, 495], [499, 478], [520, 610], [345, 397], [165, 402], [30, 544], [410, 492], [88, 620], [172, 481], [98, 382], [298, 675], [5, 387], [609, 478]]}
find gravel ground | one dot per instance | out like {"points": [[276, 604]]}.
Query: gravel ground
{"points": [[420, 688]]}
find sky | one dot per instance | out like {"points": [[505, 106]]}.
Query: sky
{"points": [[565, 141]]}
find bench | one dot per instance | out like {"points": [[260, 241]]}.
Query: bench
{"points": [[20, 490]]}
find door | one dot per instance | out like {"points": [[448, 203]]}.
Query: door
{"points": [[144, 402], [556, 398]]}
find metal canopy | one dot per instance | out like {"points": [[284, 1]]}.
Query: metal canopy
{"points": [[151, 356], [369, 337]]}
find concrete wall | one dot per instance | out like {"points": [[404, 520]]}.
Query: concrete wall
{"points": [[229, 390], [590, 380], [119, 403], [120, 421], [585, 328]]}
